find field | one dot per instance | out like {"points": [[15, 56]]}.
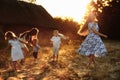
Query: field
{"points": [[70, 66]]}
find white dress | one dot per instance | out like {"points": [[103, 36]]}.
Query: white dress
{"points": [[16, 51], [56, 44], [93, 43]]}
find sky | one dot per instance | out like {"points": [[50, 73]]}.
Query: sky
{"points": [[65, 8]]}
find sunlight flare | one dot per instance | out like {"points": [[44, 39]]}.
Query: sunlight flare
{"points": [[65, 8]]}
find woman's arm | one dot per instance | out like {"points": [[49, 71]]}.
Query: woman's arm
{"points": [[98, 33]]}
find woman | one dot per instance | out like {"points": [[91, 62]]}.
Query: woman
{"points": [[93, 45]]}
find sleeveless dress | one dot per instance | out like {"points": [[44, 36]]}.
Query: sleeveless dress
{"points": [[16, 51], [93, 43]]}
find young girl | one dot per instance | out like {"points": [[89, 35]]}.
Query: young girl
{"points": [[93, 45], [28, 36], [36, 48], [56, 41], [16, 52]]}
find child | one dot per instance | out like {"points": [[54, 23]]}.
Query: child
{"points": [[28, 36], [36, 48], [23, 47], [93, 45], [56, 41], [16, 52]]}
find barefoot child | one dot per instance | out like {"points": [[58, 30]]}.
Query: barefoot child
{"points": [[36, 48], [28, 36], [16, 52], [56, 41]]}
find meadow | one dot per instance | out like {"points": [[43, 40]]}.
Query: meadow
{"points": [[70, 66]]}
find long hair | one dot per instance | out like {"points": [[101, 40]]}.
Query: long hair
{"points": [[34, 31], [10, 35], [28, 34], [83, 31]]}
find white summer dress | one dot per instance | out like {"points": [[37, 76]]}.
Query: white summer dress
{"points": [[93, 43], [16, 51]]}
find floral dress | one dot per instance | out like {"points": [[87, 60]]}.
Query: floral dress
{"points": [[93, 43]]}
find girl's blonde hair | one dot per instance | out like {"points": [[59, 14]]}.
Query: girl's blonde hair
{"points": [[56, 31]]}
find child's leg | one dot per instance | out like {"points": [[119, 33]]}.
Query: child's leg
{"points": [[57, 53], [35, 56], [53, 57], [54, 53], [56, 57], [18, 64], [14, 65]]}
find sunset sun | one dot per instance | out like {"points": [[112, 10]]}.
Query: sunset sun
{"points": [[74, 9]]}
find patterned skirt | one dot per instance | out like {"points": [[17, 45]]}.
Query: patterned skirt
{"points": [[93, 44]]}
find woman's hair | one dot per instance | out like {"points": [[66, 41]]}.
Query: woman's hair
{"points": [[28, 34], [84, 28], [10, 35]]}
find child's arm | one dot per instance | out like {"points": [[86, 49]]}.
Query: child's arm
{"points": [[25, 43], [62, 36]]}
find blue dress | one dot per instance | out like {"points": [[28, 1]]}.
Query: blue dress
{"points": [[93, 43]]}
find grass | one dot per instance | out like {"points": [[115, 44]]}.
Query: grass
{"points": [[71, 65]]}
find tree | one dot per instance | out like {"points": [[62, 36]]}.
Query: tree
{"points": [[109, 18]]}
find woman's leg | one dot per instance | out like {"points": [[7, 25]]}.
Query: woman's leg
{"points": [[91, 59]]}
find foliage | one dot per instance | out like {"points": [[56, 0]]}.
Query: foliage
{"points": [[67, 26]]}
